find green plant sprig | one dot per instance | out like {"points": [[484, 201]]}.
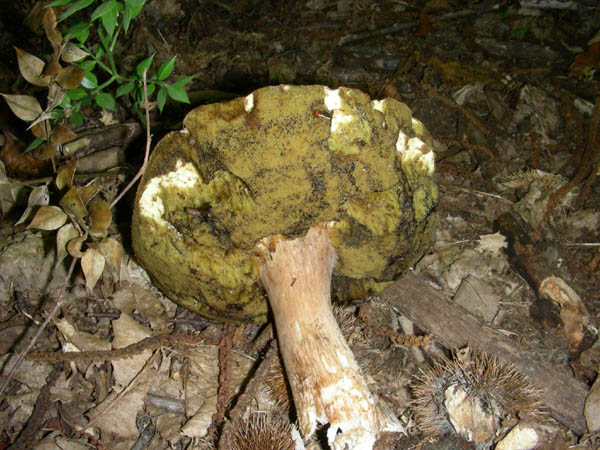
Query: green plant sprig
{"points": [[115, 18]]}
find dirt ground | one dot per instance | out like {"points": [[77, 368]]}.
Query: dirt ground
{"points": [[510, 93]]}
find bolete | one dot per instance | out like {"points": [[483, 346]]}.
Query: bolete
{"points": [[265, 196]]}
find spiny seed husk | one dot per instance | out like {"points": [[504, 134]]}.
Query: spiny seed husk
{"points": [[262, 432], [492, 381]]}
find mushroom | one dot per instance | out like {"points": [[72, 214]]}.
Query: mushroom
{"points": [[267, 195]]}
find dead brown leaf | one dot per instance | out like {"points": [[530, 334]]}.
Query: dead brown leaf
{"points": [[61, 134], [31, 67], [25, 107], [100, 217], [54, 36], [92, 263], [586, 63], [48, 218], [70, 77]]}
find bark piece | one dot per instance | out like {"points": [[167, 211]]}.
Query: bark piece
{"points": [[563, 395]]}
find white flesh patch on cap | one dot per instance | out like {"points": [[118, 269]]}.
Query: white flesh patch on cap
{"points": [[249, 103], [185, 176], [332, 99], [412, 150]]}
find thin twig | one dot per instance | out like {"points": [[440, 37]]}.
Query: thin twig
{"points": [[150, 343], [395, 28], [148, 142], [224, 390], [41, 328], [135, 381], [36, 420], [475, 192]]}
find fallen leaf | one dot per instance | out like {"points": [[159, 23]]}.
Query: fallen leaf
{"points": [[113, 252], [64, 176], [74, 247], [573, 312], [64, 235], [38, 196], [100, 217], [48, 218], [128, 331], [92, 263], [585, 64], [9, 191], [17, 162], [73, 205], [82, 340]]}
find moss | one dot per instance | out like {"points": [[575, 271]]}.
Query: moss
{"points": [[273, 163]]}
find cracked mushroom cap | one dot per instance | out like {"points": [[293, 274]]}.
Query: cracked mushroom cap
{"points": [[280, 161]]}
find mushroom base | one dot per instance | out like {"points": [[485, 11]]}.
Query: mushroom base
{"points": [[327, 384]]}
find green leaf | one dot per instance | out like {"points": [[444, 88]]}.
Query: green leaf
{"points": [[87, 65], [144, 65], [66, 102], [109, 22], [89, 81], [85, 101], [103, 9], [105, 101], [150, 89], [108, 12], [77, 6], [184, 80], [56, 114], [176, 90], [125, 88], [166, 69], [138, 94], [100, 50], [177, 93], [76, 119], [126, 21], [132, 9], [134, 6], [61, 2], [161, 98], [79, 31], [76, 94], [34, 144]]}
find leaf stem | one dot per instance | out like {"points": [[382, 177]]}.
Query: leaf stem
{"points": [[148, 143]]}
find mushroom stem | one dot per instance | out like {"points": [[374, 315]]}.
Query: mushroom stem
{"points": [[326, 382]]}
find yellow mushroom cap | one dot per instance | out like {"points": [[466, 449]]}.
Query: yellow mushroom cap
{"points": [[279, 161]]}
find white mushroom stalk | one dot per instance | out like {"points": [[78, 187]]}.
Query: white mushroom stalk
{"points": [[327, 384]]}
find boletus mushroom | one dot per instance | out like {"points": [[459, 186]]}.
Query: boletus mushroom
{"points": [[266, 196]]}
